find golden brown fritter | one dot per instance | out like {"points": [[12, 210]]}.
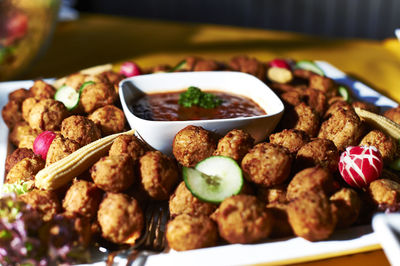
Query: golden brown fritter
{"points": [[120, 218], [114, 173], [302, 73], [83, 198], [386, 145], [25, 170], [183, 202], [187, 232], [248, 65], [316, 100], [385, 193], [321, 152], [12, 114], [47, 114], [324, 84], [393, 114], [27, 106], [19, 95], [159, 174], [336, 106], [80, 129], [130, 145], [193, 144], [235, 144], [280, 224], [23, 136], [275, 194], [45, 202], [97, 95], [348, 205], [292, 98], [301, 117], [267, 164], [109, 119], [243, 219], [16, 156], [42, 90], [59, 148], [292, 139], [310, 216]]}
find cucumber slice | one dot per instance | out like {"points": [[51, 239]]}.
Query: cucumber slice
{"points": [[84, 85], [344, 92], [68, 96], [179, 66], [311, 66], [214, 179]]}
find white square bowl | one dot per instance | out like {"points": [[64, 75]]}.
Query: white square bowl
{"points": [[160, 134]]}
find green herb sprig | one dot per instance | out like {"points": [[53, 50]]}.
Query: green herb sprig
{"points": [[194, 96]]}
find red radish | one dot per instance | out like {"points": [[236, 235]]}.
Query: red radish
{"points": [[360, 165], [130, 69], [42, 143], [279, 63]]}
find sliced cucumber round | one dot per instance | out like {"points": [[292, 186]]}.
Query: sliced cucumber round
{"points": [[344, 92], [85, 84], [214, 179], [68, 96], [311, 66]]}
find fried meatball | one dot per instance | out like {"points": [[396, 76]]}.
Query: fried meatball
{"points": [[80, 129], [82, 198], [45, 202], [97, 95], [275, 194], [292, 139], [120, 218], [243, 219], [11, 114], [183, 202], [311, 217], [42, 90], [27, 106], [159, 174], [301, 117], [385, 194], [344, 128], [324, 84], [321, 152], [47, 114], [336, 106], [23, 136], [302, 73], [113, 173], [25, 170], [311, 179], [17, 156], [19, 95], [130, 145], [393, 114], [248, 65], [280, 224], [75, 80], [348, 205], [193, 144], [366, 106], [316, 100], [187, 232], [60, 148], [235, 144], [267, 164], [292, 97], [109, 118], [386, 145]]}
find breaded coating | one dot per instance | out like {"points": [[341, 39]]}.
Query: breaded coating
{"points": [[275, 194], [292, 139], [187, 232], [336, 106], [16, 156], [60, 148], [25, 170], [83, 198], [23, 136], [385, 194], [317, 100], [301, 117], [243, 219], [47, 114], [27, 106], [159, 174], [292, 98], [366, 106], [324, 84], [193, 144], [42, 90], [11, 113], [280, 225], [109, 119], [267, 164], [97, 95], [130, 145], [45, 202], [183, 202], [393, 114], [113, 173], [248, 65], [321, 152], [344, 128], [19, 95], [386, 145], [311, 217], [348, 205], [235, 144], [302, 73], [311, 179], [80, 129], [120, 218]]}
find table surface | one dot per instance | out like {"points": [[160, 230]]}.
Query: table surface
{"points": [[98, 39]]}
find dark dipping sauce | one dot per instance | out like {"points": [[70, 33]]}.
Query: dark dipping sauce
{"points": [[164, 107]]}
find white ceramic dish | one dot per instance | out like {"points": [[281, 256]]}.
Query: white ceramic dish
{"points": [[160, 134], [279, 251]]}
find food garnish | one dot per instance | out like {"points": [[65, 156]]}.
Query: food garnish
{"points": [[345, 93], [178, 66], [310, 66], [18, 188], [42, 143], [279, 63], [69, 96], [360, 165], [130, 69], [194, 96], [214, 179]]}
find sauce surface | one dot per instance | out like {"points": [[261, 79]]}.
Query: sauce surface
{"points": [[164, 107]]}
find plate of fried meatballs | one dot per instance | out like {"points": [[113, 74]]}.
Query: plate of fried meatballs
{"points": [[293, 206]]}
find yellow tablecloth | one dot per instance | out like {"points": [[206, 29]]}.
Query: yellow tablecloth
{"points": [[98, 39]]}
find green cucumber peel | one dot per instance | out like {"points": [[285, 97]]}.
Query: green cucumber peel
{"points": [[310, 66], [345, 93], [178, 66], [68, 96], [83, 86]]}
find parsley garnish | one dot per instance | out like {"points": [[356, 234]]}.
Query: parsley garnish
{"points": [[194, 96]]}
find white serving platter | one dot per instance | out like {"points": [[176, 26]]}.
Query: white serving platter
{"points": [[278, 251]]}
